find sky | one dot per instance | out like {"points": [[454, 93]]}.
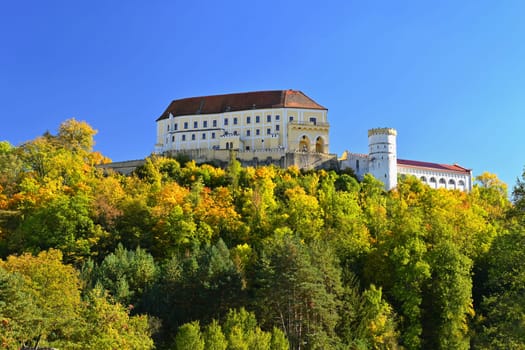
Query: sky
{"points": [[448, 75]]}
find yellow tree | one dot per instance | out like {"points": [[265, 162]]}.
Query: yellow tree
{"points": [[55, 289]]}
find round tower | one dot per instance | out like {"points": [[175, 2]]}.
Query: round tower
{"points": [[382, 156]]}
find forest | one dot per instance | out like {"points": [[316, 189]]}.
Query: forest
{"points": [[186, 256]]}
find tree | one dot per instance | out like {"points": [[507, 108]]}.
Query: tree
{"points": [[398, 263], [448, 299], [63, 222], [242, 331], [198, 284], [501, 318], [55, 289], [19, 315], [76, 136], [367, 320], [214, 338], [109, 326], [127, 274], [189, 337], [304, 214], [296, 288]]}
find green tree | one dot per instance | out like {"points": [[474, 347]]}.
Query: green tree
{"points": [[189, 337], [367, 320], [242, 331], [127, 274], [278, 340], [214, 338], [19, 314], [109, 326], [297, 288], [55, 289], [449, 299], [501, 318], [398, 263]]}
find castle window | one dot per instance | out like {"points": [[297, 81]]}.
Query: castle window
{"points": [[277, 117], [248, 132], [205, 124], [195, 125], [168, 127], [357, 164], [204, 136], [247, 148], [235, 132], [173, 138], [185, 125], [291, 119], [313, 121], [268, 118], [214, 123], [423, 179], [225, 121], [268, 131], [433, 179], [248, 120], [193, 137], [257, 132], [183, 137], [234, 121], [212, 135], [257, 119], [277, 127], [175, 126]]}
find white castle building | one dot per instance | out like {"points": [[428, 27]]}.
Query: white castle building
{"points": [[285, 127], [382, 162]]}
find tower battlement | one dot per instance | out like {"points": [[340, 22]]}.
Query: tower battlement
{"points": [[382, 131]]}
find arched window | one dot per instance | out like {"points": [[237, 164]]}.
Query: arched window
{"points": [[442, 183], [319, 145], [433, 182], [304, 144], [452, 184], [423, 179]]}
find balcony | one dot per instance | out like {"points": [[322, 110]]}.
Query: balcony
{"points": [[308, 123]]}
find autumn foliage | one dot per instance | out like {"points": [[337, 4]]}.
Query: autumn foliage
{"points": [[187, 256]]}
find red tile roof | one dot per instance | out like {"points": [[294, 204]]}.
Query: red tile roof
{"points": [[435, 166], [239, 102]]}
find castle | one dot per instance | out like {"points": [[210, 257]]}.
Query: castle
{"points": [[281, 127], [285, 127], [382, 162]]}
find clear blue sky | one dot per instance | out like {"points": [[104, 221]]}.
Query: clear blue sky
{"points": [[448, 75]]}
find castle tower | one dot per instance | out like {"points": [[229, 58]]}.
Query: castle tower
{"points": [[382, 156]]}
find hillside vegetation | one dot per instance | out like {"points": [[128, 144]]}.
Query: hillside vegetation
{"points": [[181, 256]]}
